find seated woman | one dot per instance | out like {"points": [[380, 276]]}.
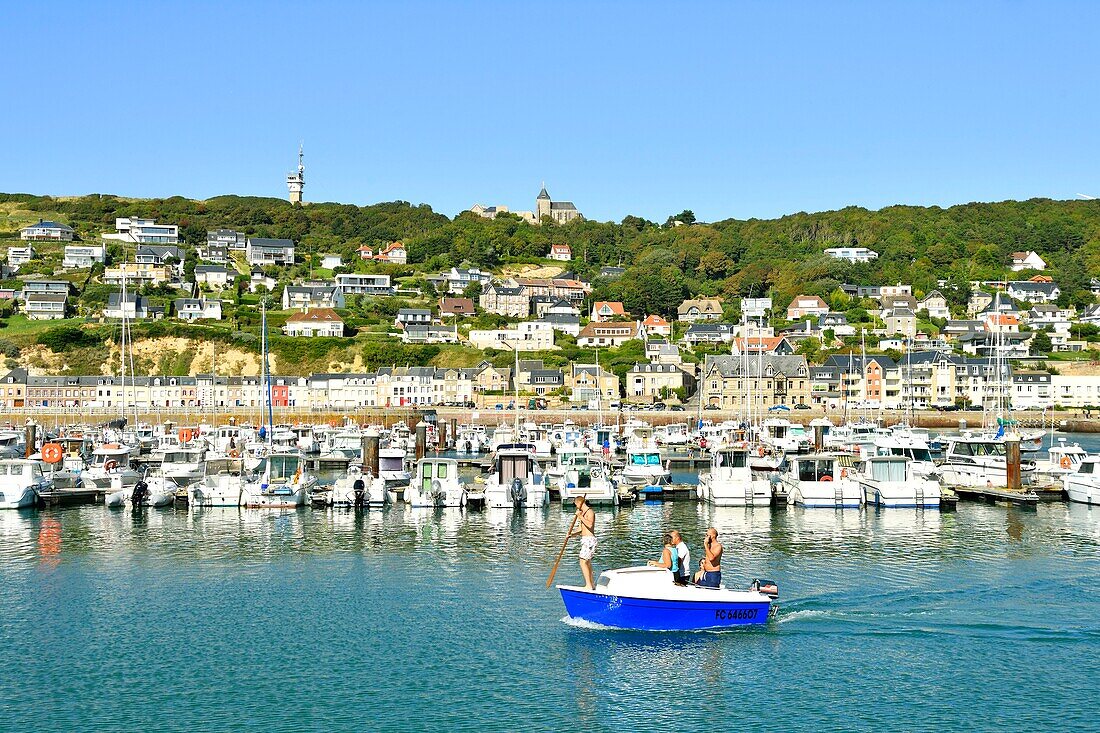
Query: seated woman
{"points": [[669, 558]]}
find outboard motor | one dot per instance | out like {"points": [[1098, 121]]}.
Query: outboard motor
{"points": [[518, 492], [768, 587], [359, 487], [140, 494]]}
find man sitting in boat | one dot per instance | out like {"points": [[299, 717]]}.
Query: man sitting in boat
{"points": [[682, 573], [586, 519], [710, 567]]}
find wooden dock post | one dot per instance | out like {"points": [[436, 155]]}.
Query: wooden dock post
{"points": [[421, 439], [1012, 462], [370, 452]]}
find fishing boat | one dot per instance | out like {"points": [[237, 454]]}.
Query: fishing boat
{"points": [[819, 480], [356, 488], [516, 480], [436, 485], [730, 481], [647, 599], [891, 481], [1083, 485], [471, 439], [21, 479], [911, 445], [393, 471], [978, 461]]}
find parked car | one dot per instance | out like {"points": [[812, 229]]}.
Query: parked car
{"points": [[677, 408], [801, 406], [660, 406]]}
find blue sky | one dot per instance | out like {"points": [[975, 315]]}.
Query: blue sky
{"points": [[729, 109]]}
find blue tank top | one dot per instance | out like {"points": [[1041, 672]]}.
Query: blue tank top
{"points": [[675, 561]]}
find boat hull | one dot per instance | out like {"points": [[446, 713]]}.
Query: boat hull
{"points": [[648, 614], [1081, 492]]}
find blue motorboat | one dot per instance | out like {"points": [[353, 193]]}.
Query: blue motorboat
{"points": [[647, 599]]}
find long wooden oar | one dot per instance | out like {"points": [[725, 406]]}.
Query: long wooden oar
{"points": [[554, 571]]}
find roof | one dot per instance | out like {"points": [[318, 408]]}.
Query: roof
{"points": [[654, 320], [608, 329], [456, 305], [614, 306], [563, 205], [561, 247], [1035, 287], [46, 297], [817, 301], [316, 315], [543, 195], [272, 243], [706, 305], [652, 368], [45, 224], [212, 268], [732, 366]]}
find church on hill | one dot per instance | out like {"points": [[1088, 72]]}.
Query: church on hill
{"points": [[560, 212]]}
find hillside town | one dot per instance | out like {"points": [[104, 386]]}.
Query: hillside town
{"points": [[872, 346]]}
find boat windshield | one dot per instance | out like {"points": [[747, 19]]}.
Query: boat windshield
{"points": [[16, 469], [391, 463], [816, 470], [980, 449], [280, 466], [182, 456], [732, 459], [645, 459]]}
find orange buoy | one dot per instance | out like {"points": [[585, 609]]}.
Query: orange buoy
{"points": [[52, 453]]}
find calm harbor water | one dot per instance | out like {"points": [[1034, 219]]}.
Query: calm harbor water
{"points": [[984, 619]]}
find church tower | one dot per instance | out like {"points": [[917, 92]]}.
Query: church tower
{"points": [[295, 182], [542, 204]]}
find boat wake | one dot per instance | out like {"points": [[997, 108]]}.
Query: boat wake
{"points": [[580, 623]]}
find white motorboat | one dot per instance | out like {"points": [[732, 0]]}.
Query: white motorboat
{"points": [[471, 439], [819, 480], [782, 435], [516, 480], [356, 488], [183, 465], [393, 471], [576, 474], [281, 483], [672, 434], [538, 437], [343, 445], [222, 484], [979, 461], [1083, 485], [12, 444], [643, 465], [107, 462], [910, 445], [436, 484], [891, 481], [154, 491], [21, 479], [1062, 459], [730, 481]]}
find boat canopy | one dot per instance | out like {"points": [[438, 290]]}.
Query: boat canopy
{"points": [[887, 468]]}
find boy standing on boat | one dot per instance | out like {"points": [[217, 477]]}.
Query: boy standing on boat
{"points": [[586, 518]]}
